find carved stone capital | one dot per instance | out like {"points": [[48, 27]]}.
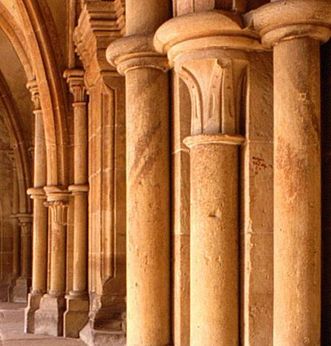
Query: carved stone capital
{"points": [[289, 19], [217, 83], [100, 23], [36, 193], [32, 86], [25, 222], [58, 209], [78, 189], [57, 194], [136, 51], [204, 30], [209, 52], [75, 80]]}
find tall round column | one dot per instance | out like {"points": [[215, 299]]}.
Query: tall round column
{"points": [[297, 191], [207, 51], [49, 317], [148, 205], [289, 27], [57, 281], [77, 301], [40, 227], [26, 250], [147, 150], [148, 271], [214, 240], [16, 233]]}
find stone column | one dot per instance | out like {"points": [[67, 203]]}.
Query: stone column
{"points": [[37, 193], [49, 318], [148, 207], [24, 281], [206, 50], [26, 253], [77, 300], [16, 233], [296, 29]]}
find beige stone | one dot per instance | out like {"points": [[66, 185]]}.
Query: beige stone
{"points": [[297, 158], [170, 188]]}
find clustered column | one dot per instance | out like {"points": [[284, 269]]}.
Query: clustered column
{"points": [[77, 300], [295, 30], [148, 208], [37, 193], [206, 50]]}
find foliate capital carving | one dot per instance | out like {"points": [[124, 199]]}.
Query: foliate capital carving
{"points": [[59, 211], [57, 202], [75, 80], [25, 222], [32, 86], [100, 23], [217, 86], [136, 51], [288, 19]]}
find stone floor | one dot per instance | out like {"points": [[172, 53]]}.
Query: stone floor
{"points": [[11, 330]]}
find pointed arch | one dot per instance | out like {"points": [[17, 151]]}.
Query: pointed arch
{"points": [[38, 58], [18, 144]]}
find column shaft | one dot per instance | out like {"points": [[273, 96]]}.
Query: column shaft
{"points": [[140, 21], [39, 242], [297, 188], [58, 248], [39, 245], [16, 248], [80, 141], [16, 230], [80, 243], [26, 250], [214, 244], [148, 271], [77, 301], [80, 214]]}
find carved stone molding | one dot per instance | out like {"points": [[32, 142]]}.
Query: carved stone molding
{"points": [[99, 24], [32, 86], [75, 80], [134, 52], [204, 30], [36, 193], [285, 20], [217, 88], [209, 52], [25, 222]]}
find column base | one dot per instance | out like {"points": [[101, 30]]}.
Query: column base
{"points": [[49, 317], [21, 290], [107, 321], [100, 337], [29, 312], [5, 292], [76, 315]]}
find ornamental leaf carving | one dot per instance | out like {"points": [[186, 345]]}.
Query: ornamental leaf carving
{"points": [[217, 89]]}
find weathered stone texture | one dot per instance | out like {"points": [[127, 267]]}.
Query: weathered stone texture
{"points": [[166, 182]]}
